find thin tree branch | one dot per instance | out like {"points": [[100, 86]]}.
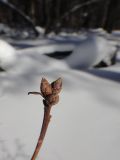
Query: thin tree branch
{"points": [[35, 93], [19, 12]]}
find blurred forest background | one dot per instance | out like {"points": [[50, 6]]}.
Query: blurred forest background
{"points": [[55, 15]]}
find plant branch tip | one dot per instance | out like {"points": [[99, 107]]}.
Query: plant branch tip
{"points": [[50, 93]]}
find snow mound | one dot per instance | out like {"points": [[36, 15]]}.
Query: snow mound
{"points": [[7, 55], [90, 52]]}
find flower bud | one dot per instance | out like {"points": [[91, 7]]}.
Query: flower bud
{"points": [[56, 86], [45, 87]]}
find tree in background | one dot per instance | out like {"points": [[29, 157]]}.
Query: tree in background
{"points": [[56, 15]]}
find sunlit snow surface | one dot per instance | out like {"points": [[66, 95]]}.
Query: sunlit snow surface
{"points": [[85, 125]]}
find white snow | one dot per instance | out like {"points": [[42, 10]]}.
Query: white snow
{"points": [[7, 55], [90, 51], [85, 123]]}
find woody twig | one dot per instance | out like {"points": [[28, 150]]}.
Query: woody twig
{"points": [[50, 94]]}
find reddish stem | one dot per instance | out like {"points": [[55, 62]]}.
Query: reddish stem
{"points": [[45, 123]]}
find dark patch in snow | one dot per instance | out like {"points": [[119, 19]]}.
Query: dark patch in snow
{"points": [[105, 64], [22, 45], [59, 55], [110, 75], [2, 70]]}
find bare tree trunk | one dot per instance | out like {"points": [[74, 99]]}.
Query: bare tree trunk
{"points": [[111, 15], [105, 14], [39, 12], [57, 13]]}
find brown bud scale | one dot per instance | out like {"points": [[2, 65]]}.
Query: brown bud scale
{"points": [[45, 87], [56, 86], [52, 99]]}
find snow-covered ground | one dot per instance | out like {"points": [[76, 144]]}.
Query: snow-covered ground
{"points": [[85, 125]]}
